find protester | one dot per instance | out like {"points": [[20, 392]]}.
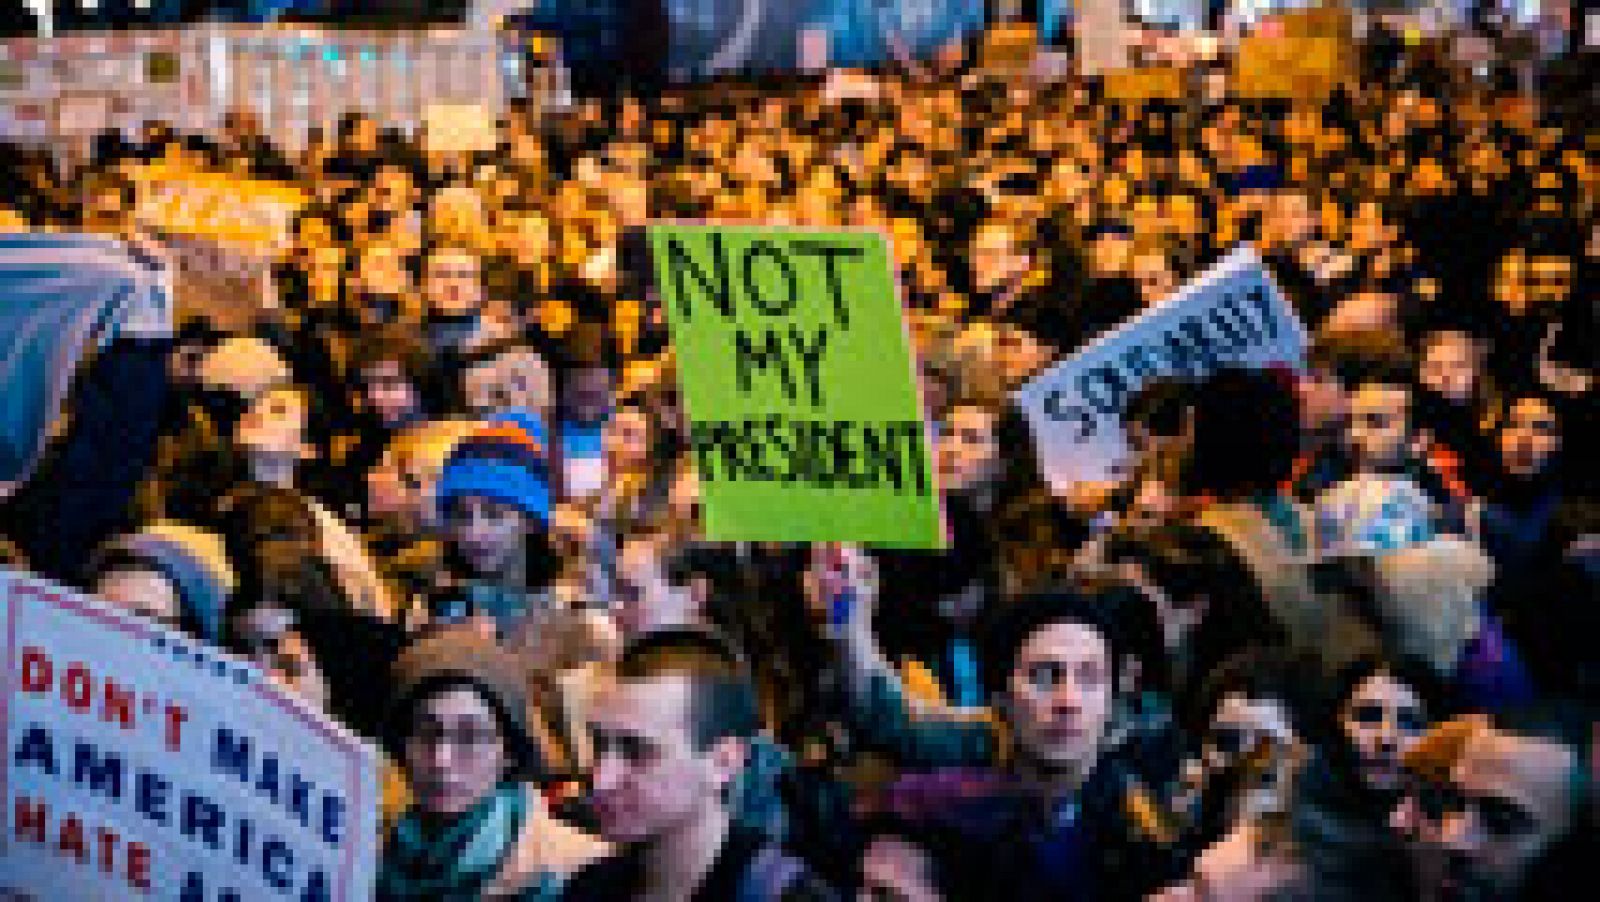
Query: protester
{"points": [[462, 726], [171, 572], [449, 432], [672, 729]]}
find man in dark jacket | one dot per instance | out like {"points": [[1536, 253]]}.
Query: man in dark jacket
{"points": [[1049, 799], [672, 726]]}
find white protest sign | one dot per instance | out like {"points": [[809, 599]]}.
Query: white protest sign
{"points": [[459, 128], [1232, 315], [141, 764]]}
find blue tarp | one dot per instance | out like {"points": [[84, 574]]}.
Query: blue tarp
{"points": [[61, 298]]}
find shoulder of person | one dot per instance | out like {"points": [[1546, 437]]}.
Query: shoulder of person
{"points": [[545, 847]]}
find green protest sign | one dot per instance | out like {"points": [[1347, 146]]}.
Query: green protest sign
{"points": [[796, 372]]}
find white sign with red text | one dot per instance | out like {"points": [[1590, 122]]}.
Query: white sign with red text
{"points": [[141, 764]]}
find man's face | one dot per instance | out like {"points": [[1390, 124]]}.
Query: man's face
{"points": [[1383, 719], [1529, 438], [1111, 255], [1450, 367], [894, 870], [996, 261], [275, 425], [969, 455], [650, 778], [1060, 695], [646, 600], [1507, 800], [392, 189], [389, 393], [1380, 427], [454, 284]]}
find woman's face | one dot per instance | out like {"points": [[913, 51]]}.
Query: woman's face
{"points": [[1382, 719], [275, 424], [142, 591], [627, 440], [454, 752], [1530, 437], [272, 642], [489, 534], [969, 454]]}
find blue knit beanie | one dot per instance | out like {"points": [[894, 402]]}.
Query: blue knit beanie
{"points": [[507, 461]]}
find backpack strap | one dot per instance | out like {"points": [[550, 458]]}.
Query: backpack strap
{"points": [[769, 875]]}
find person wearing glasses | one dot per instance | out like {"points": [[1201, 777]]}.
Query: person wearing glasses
{"points": [[464, 731]]}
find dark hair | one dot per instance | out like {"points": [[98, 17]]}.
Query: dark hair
{"points": [[525, 760], [1247, 434], [1264, 673], [396, 344], [1014, 623], [1419, 677], [1159, 406], [1368, 355], [1138, 623], [722, 702]]}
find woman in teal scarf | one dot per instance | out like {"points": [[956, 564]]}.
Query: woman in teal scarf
{"points": [[476, 830]]}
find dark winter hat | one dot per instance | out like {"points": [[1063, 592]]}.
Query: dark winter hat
{"points": [[456, 657]]}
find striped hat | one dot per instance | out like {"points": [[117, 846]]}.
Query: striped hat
{"points": [[506, 460]]}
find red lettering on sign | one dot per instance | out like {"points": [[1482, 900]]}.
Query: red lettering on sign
{"points": [[176, 716], [30, 820]]}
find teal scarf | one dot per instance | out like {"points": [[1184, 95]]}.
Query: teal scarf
{"points": [[455, 863]]}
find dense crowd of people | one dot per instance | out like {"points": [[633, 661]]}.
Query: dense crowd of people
{"points": [[1331, 637]]}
